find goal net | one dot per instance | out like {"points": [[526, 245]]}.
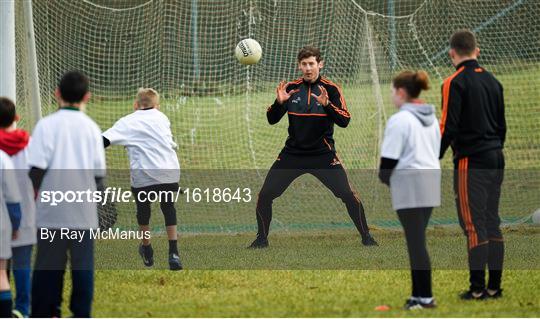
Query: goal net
{"points": [[184, 49]]}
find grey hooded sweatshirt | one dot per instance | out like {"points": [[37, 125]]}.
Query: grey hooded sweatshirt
{"points": [[412, 136], [425, 113]]}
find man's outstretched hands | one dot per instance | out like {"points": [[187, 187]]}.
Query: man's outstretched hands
{"points": [[323, 97], [282, 94]]}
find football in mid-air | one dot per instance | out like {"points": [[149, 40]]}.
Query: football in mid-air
{"points": [[248, 51]]}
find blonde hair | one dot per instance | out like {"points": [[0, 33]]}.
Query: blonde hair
{"points": [[147, 97]]}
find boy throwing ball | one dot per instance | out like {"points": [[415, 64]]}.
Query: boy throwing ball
{"points": [[146, 134]]}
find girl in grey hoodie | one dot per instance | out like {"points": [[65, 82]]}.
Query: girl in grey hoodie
{"points": [[410, 166]]}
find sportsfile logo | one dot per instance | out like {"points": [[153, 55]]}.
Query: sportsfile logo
{"points": [[110, 194], [117, 195]]}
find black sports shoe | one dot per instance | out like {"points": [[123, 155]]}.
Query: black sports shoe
{"points": [[259, 242], [496, 295], [473, 295], [174, 262], [147, 255], [414, 304], [369, 241]]}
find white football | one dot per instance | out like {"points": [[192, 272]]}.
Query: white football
{"points": [[536, 217], [248, 51]]}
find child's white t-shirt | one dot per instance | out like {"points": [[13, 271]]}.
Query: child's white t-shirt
{"points": [[68, 144], [9, 193], [27, 231], [147, 136]]}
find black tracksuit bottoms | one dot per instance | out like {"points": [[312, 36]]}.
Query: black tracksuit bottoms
{"points": [[327, 168], [477, 184]]}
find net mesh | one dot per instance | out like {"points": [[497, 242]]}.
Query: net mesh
{"points": [[184, 49]]}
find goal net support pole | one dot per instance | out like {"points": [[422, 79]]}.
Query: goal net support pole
{"points": [[33, 76], [7, 50]]}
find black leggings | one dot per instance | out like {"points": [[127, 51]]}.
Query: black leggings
{"points": [[414, 222], [327, 168], [166, 202]]}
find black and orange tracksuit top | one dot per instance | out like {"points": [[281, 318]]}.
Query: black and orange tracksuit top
{"points": [[472, 118], [311, 125]]}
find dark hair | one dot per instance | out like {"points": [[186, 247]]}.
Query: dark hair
{"points": [[7, 112], [463, 42], [73, 86], [412, 82], [309, 51]]}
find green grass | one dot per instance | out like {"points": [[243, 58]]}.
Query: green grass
{"points": [[339, 249], [299, 293], [319, 271], [306, 275], [226, 141]]}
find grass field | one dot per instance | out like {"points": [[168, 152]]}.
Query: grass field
{"points": [[337, 249], [305, 275], [225, 141], [315, 267], [299, 293]]}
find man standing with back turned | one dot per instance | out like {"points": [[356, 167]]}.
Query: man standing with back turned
{"points": [[473, 124]]}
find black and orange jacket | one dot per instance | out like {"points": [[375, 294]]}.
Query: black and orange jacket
{"points": [[311, 125], [472, 118]]}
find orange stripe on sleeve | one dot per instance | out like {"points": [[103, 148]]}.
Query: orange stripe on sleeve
{"points": [[340, 111], [341, 98], [297, 81], [446, 96]]}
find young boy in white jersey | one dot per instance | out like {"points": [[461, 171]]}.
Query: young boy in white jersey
{"points": [[10, 218], [65, 155], [14, 142], [410, 166], [146, 134]]}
